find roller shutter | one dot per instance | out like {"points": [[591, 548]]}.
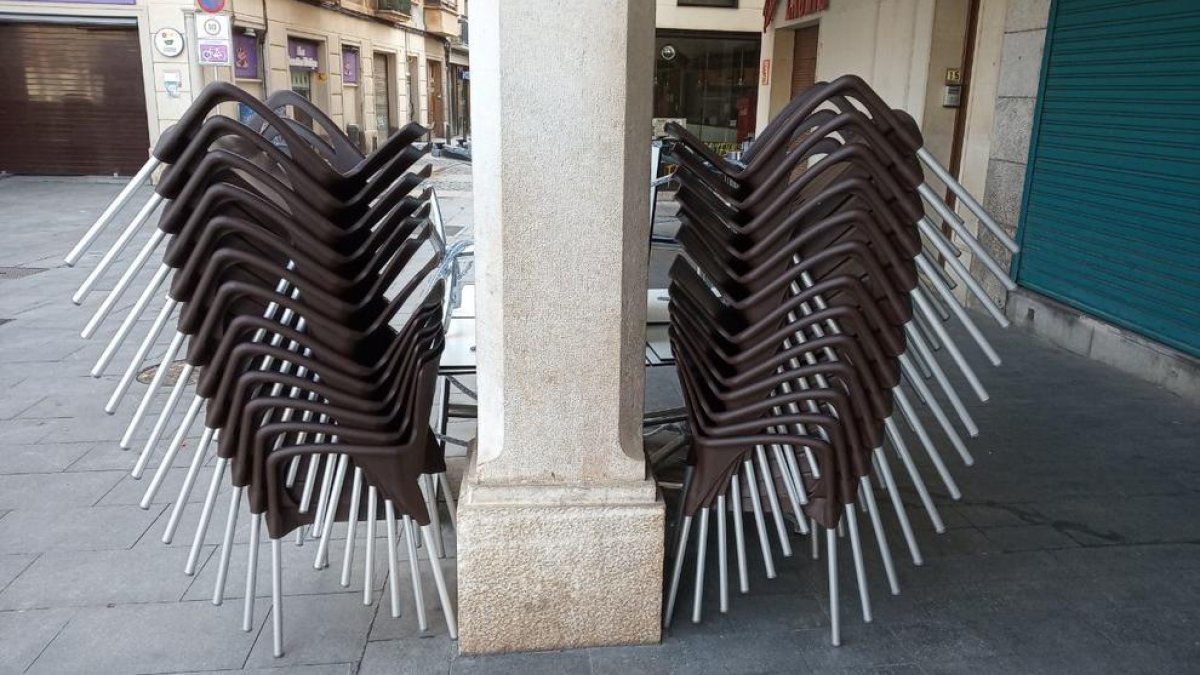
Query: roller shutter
{"points": [[1111, 215], [71, 99]]}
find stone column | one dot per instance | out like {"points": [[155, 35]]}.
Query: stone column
{"points": [[560, 531]]}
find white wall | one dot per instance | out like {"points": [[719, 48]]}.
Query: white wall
{"points": [[886, 42], [746, 18]]}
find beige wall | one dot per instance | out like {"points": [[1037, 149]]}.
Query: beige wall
{"points": [[288, 18], [746, 18], [886, 42]]}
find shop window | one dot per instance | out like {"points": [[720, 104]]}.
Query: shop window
{"points": [[303, 64], [247, 55], [710, 82]]}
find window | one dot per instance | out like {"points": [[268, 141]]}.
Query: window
{"points": [[247, 55], [710, 80]]}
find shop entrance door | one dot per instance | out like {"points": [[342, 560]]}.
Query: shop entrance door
{"points": [[804, 58], [71, 100]]}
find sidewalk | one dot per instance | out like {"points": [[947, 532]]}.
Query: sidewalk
{"points": [[1076, 546]]}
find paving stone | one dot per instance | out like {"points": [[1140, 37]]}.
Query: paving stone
{"points": [[317, 629], [299, 577], [406, 626], [78, 528], [943, 642], [566, 663], [323, 669], [23, 636], [11, 566], [130, 490], [414, 656], [645, 660], [72, 578], [1029, 538], [106, 456], [23, 431], [863, 646], [41, 457], [149, 638], [54, 490]]}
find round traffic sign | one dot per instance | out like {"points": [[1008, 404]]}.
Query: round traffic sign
{"points": [[211, 6]]}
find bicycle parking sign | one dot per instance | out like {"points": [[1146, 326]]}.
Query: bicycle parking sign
{"points": [[214, 53]]}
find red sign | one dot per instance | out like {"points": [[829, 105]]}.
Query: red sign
{"points": [[769, 13], [766, 73], [210, 6], [799, 8]]}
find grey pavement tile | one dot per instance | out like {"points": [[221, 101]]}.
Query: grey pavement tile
{"points": [[1150, 624], [317, 629], [107, 456], [41, 457], [92, 424], [24, 431], [23, 636], [1120, 559], [863, 646], [765, 613], [149, 638], [299, 577], [1105, 660], [944, 642], [743, 653], [991, 515], [11, 566], [644, 659], [406, 626], [322, 669], [992, 665], [1158, 588], [130, 490], [76, 578], [12, 406], [566, 663], [955, 542], [1029, 538], [413, 656], [55, 490], [78, 528]]}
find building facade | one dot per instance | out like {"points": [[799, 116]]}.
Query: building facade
{"points": [[1069, 117], [88, 86]]}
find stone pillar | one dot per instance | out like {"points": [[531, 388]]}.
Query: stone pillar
{"points": [[560, 531]]}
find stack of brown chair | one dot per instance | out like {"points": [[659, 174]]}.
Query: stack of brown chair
{"points": [[310, 284], [804, 311]]}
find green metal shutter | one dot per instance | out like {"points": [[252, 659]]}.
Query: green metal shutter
{"points": [[1111, 216]]}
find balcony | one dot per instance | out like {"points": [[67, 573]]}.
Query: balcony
{"points": [[441, 18], [402, 8]]}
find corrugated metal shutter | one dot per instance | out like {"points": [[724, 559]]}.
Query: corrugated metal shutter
{"points": [[1111, 217], [804, 58], [71, 100]]}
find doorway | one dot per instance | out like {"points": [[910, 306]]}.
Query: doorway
{"points": [[71, 100], [382, 75], [804, 58], [414, 89], [437, 109]]}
